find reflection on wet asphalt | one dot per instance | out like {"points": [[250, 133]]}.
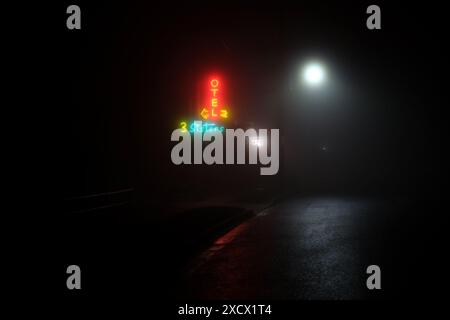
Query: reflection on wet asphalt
{"points": [[303, 249]]}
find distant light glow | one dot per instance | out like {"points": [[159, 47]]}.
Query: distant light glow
{"points": [[314, 74], [257, 142]]}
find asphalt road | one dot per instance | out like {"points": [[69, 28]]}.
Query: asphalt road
{"points": [[316, 248], [302, 248]]}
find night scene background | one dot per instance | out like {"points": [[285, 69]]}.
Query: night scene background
{"points": [[362, 158]]}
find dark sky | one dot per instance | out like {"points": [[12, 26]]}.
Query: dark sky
{"points": [[134, 69]]}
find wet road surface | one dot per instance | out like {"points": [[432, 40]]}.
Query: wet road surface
{"points": [[302, 248], [316, 248]]}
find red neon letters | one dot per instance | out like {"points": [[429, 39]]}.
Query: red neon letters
{"points": [[214, 110]]}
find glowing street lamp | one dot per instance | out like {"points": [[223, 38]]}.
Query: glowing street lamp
{"points": [[313, 74]]}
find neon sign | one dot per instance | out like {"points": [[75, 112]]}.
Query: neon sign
{"points": [[214, 110], [199, 126]]}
